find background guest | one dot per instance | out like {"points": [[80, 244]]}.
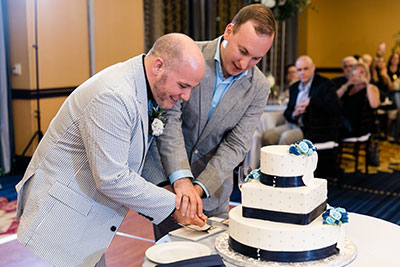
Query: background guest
{"points": [[381, 79], [311, 98], [290, 78], [358, 100], [347, 65]]}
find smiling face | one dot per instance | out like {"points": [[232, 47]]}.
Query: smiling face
{"points": [[173, 85], [244, 49]]}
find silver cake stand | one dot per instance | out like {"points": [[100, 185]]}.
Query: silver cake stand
{"points": [[346, 256]]}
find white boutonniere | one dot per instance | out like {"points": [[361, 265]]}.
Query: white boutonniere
{"points": [[157, 121]]}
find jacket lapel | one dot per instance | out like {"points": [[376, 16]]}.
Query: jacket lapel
{"points": [[230, 99], [141, 98], [207, 84]]}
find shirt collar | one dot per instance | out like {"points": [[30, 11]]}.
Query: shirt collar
{"points": [[307, 85], [149, 93], [218, 66]]}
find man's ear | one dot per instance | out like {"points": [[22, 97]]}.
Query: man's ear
{"points": [[228, 31], [158, 66]]}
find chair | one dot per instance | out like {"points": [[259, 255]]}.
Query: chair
{"points": [[323, 132], [361, 138]]}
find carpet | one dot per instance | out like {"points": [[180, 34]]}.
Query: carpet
{"points": [[8, 225]]}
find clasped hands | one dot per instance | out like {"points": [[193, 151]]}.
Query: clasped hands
{"points": [[189, 206], [301, 107]]}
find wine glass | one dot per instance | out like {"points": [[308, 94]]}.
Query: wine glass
{"points": [[243, 171]]}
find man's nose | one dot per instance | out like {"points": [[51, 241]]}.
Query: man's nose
{"points": [[244, 63], [185, 95]]}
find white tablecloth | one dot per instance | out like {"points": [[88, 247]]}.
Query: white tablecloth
{"points": [[377, 242], [272, 117]]}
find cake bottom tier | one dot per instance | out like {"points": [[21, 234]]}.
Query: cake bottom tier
{"points": [[281, 242]]}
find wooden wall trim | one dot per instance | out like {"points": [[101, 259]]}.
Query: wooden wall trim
{"points": [[43, 93]]}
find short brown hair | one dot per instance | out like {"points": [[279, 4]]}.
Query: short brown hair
{"points": [[261, 15]]}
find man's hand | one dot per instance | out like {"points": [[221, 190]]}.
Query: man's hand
{"points": [[188, 199], [169, 188], [185, 220], [301, 107]]}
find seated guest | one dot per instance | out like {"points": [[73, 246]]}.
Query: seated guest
{"points": [[357, 100], [381, 79], [393, 68], [343, 80], [310, 98], [366, 59], [290, 78]]}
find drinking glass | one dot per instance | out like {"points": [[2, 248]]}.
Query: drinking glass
{"points": [[243, 171]]}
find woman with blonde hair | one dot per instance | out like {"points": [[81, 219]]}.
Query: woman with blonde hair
{"points": [[357, 101]]}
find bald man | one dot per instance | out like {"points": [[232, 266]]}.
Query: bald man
{"points": [[313, 97], [86, 172]]}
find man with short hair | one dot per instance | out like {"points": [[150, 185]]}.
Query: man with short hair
{"points": [[310, 98], [342, 82], [208, 136], [86, 172]]}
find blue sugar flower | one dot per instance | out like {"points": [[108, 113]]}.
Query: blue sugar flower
{"points": [[335, 214], [303, 147], [341, 210], [293, 150], [308, 142], [329, 221]]}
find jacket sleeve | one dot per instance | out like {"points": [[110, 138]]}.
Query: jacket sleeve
{"points": [[326, 100], [108, 128]]}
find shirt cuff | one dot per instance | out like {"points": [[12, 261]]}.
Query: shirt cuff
{"points": [[204, 188], [179, 174]]}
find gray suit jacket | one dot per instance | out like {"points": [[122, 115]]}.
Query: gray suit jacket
{"points": [[211, 149], [85, 173]]}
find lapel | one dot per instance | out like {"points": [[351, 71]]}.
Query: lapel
{"points": [[314, 85], [207, 83], [230, 99], [141, 99]]}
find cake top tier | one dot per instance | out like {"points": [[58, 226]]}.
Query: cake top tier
{"points": [[297, 160]]}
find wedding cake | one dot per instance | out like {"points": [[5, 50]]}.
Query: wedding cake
{"points": [[284, 216]]}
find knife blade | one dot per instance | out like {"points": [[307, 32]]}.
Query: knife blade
{"points": [[218, 222]]}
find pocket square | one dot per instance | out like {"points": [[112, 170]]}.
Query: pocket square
{"points": [[205, 261]]}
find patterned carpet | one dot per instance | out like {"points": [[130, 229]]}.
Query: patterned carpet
{"points": [[389, 160], [376, 194], [8, 225]]}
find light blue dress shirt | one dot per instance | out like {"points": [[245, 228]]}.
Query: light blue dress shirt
{"points": [[221, 86]]}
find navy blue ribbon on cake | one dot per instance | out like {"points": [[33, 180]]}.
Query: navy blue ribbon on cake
{"points": [[283, 256], [284, 217], [279, 181]]}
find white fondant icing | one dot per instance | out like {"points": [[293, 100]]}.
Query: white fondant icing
{"points": [[300, 200], [274, 236]]}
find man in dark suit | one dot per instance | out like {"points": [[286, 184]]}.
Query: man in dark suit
{"points": [[311, 99]]}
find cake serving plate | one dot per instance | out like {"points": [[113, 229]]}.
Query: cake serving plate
{"points": [[345, 256]]}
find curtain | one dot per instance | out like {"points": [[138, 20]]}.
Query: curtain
{"points": [[5, 147]]}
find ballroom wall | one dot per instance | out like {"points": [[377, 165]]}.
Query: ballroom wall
{"points": [[63, 54], [340, 28], [335, 29]]}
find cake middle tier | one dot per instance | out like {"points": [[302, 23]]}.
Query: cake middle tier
{"points": [[297, 205]]}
